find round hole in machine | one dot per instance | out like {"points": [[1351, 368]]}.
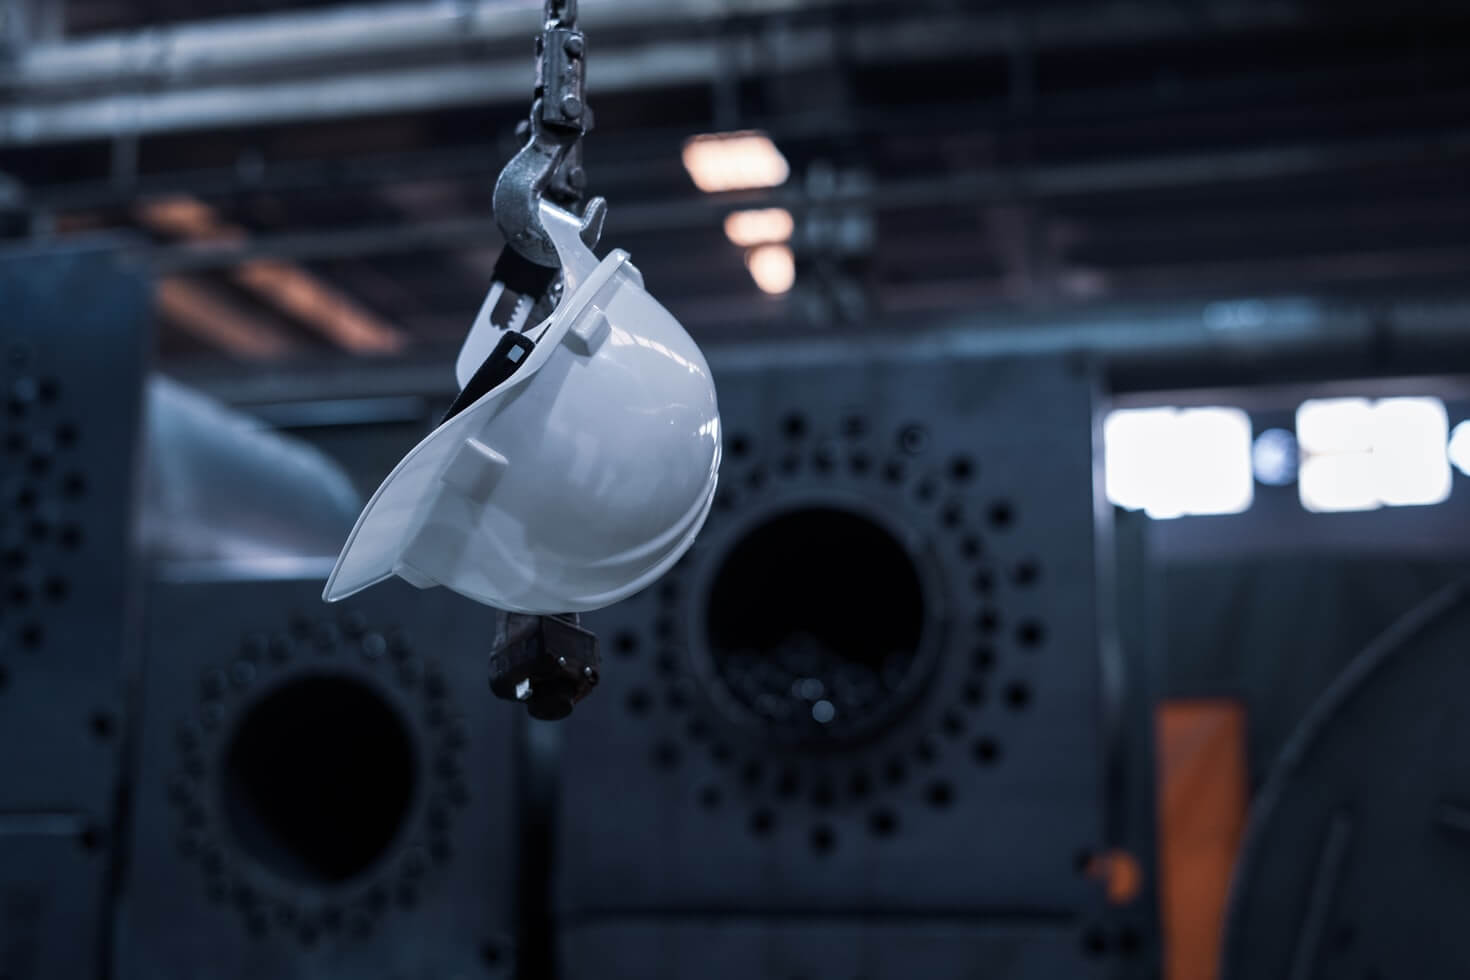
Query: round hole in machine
{"points": [[815, 624], [319, 778]]}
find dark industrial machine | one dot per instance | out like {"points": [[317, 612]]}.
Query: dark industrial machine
{"points": [[73, 391], [870, 700], [319, 791]]}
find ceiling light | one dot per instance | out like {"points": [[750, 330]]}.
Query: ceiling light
{"points": [[773, 268], [734, 161], [764, 227]]}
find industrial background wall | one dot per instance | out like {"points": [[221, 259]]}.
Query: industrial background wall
{"points": [[1082, 595]]}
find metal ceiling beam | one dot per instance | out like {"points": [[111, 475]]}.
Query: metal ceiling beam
{"points": [[1038, 183], [298, 68], [1143, 347]]}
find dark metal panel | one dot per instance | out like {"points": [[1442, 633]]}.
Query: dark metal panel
{"points": [[320, 791], [969, 781], [73, 342], [783, 950], [1355, 859]]}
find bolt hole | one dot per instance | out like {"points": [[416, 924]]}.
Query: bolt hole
{"points": [[854, 427], [1018, 696], [625, 644], [102, 725], [893, 472], [912, 439], [739, 446], [1094, 943], [638, 702], [940, 794], [1027, 572], [988, 621], [824, 839], [953, 724], [794, 426], [861, 463], [987, 751], [1030, 634], [961, 469], [709, 797], [1002, 514], [762, 822], [666, 755], [883, 823]]}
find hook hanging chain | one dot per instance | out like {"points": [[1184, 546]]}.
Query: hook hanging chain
{"points": [[561, 13], [550, 164]]}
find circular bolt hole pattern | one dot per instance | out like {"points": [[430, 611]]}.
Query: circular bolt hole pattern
{"points": [[985, 750]]}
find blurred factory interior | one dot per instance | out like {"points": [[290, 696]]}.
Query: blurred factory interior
{"points": [[1095, 393]]}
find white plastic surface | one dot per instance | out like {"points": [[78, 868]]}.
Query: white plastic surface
{"points": [[575, 483]]}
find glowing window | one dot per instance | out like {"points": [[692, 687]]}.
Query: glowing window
{"points": [[1169, 462], [1358, 454]]}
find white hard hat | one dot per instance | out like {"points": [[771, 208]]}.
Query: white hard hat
{"points": [[574, 482]]}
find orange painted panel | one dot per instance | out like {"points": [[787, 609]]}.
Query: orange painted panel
{"points": [[1203, 794]]}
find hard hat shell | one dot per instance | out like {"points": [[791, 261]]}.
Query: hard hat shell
{"points": [[574, 483]]}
